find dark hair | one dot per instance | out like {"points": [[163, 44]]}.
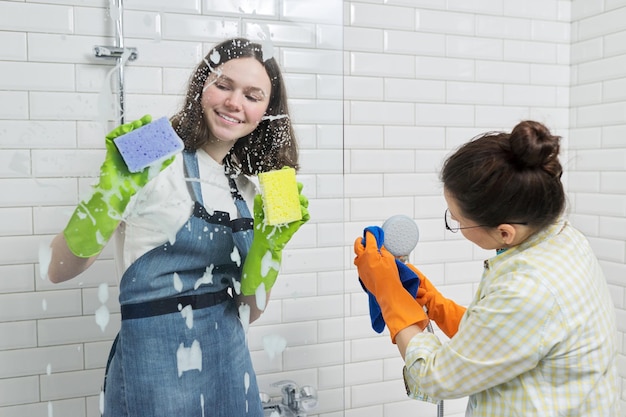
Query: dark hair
{"points": [[271, 145], [499, 177]]}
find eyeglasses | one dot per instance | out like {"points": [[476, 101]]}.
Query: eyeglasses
{"points": [[454, 225]]}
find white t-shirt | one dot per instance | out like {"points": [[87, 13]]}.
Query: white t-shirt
{"points": [[156, 213]]}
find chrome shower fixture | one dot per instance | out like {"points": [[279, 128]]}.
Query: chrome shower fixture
{"points": [[114, 52]]}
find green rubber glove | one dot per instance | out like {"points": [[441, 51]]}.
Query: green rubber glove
{"points": [[95, 219], [263, 260]]}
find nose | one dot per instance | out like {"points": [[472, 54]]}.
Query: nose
{"points": [[234, 100]]}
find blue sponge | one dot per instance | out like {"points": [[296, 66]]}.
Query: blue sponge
{"points": [[148, 145]]}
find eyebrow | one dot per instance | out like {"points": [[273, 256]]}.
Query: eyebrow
{"points": [[247, 89]]}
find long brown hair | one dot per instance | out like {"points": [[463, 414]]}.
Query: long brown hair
{"points": [[271, 145], [499, 177]]}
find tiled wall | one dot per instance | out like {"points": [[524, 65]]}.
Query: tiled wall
{"points": [[423, 76], [597, 164], [52, 352], [419, 78]]}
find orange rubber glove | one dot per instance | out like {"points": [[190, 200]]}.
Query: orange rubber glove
{"points": [[445, 312], [379, 274]]}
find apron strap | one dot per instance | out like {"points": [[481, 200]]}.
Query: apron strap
{"points": [[193, 175]]}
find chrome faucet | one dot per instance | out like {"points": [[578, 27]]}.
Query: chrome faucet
{"points": [[295, 401]]}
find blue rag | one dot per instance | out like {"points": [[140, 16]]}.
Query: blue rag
{"points": [[410, 281]]}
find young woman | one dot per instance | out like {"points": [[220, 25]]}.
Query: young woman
{"points": [[188, 250], [539, 337]]}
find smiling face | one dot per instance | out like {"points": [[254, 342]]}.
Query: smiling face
{"points": [[234, 99]]}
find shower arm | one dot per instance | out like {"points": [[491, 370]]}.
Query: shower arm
{"points": [[118, 52]]}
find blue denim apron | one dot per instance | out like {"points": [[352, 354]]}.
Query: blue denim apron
{"points": [[181, 350]]}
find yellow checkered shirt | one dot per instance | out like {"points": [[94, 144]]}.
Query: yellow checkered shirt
{"points": [[538, 339]]}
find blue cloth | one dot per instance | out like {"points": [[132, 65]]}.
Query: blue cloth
{"points": [[410, 281]]}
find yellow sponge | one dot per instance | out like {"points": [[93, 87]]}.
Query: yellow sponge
{"points": [[281, 200]]}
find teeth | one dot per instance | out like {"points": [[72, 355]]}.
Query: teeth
{"points": [[230, 119]]}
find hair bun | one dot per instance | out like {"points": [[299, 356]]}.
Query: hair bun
{"points": [[533, 146]]}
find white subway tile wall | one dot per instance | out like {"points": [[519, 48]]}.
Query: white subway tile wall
{"points": [[597, 151], [381, 91]]}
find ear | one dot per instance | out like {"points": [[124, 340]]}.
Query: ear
{"points": [[507, 233]]}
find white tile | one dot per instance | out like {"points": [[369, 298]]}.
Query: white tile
{"points": [[199, 28], [366, 136], [17, 278], [414, 137], [501, 118], [68, 384], [379, 16], [444, 114], [329, 86], [303, 357], [613, 136], [13, 46], [306, 260], [375, 161], [503, 27], [474, 92], [311, 60], [601, 24], [535, 9], [321, 11], [68, 106], [27, 306], [301, 35], [40, 361], [34, 192], [366, 112], [476, 6], [168, 53], [18, 335], [411, 184], [330, 136], [41, 17], [363, 372], [95, 21], [316, 111], [474, 48], [551, 75], [15, 221], [363, 39], [75, 330], [182, 6], [13, 105], [505, 72], [71, 407], [370, 64], [416, 43], [527, 51], [321, 162], [263, 8], [543, 30], [19, 390], [529, 95], [373, 394], [445, 68], [588, 50], [363, 185], [28, 76], [444, 22], [428, 91], [67, 163], [601, 114]]}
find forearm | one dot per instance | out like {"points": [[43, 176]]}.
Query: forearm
{"points": [[251, 301], [64, 265], [404, 336]]}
